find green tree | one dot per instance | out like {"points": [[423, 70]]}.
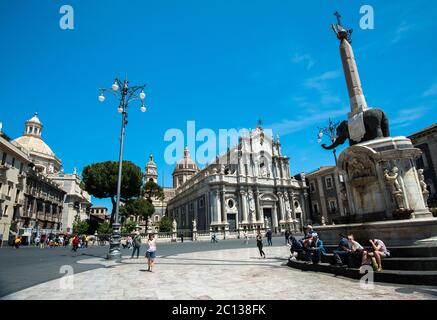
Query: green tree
{"points": [[100, 180], [152, 190], [137, 207], [165, 224], [81, 227], [104, 228], [128, 226]]}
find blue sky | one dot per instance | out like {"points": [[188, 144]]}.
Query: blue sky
{"points": [[224, 64]]}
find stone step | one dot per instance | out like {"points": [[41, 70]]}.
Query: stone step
{"points": [[411, 263], [403, 251], [387, 276], [394, 263]]}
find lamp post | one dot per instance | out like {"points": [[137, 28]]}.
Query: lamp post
{"points": [[125, 95], [331, 132]]}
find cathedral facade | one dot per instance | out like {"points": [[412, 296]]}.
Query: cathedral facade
{"points": [[247, 188]]}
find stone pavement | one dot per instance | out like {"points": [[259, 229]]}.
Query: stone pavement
{"points": [[225, 274]]}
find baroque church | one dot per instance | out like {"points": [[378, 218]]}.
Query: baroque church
{"points": [[247, 188]]}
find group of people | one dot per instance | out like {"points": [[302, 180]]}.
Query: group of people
{"points": [[352, 254], [135, 244], [349, 252]]}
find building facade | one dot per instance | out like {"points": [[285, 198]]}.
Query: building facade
{"points": [[47, 182], [426, 140], [160, 205], [13, 167], [327, 196], [247, 188], [77, 202]]}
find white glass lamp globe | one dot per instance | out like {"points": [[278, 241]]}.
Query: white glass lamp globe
{"points": [[120, 109], [142, 95], [101, 98], [143, 108], [115, 86]]}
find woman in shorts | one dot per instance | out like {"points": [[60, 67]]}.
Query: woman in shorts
{"points": [[151, 251]]}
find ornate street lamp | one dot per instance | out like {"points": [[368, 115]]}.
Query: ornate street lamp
{"points": [[331, 132], [125, 95]]}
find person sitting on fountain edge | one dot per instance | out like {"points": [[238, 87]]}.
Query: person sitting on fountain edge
{"points": [[379, 252], [355, 256], [316, 249], [341, 254]]}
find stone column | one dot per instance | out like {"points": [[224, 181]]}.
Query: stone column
{"points": [[324, 209], [274, 218], [260, 213], [218, 208], [281, 207], [243, 206], [337, 191], [223, 207]]}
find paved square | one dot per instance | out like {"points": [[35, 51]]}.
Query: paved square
{"points": [[219, 274]]}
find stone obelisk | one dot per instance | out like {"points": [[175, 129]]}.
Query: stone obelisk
{"points": [[357, 100]]}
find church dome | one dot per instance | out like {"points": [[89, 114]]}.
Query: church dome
{"points": [[35, 144], [39, 151], [184, 170], [186, 163]]}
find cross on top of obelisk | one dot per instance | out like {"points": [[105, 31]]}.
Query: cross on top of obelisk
{"points": [[338, 15], [340, 31]]}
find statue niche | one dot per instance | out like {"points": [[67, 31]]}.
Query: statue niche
{"points": [[360, 171]]}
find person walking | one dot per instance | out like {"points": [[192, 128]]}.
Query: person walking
{"points": [[42, 241], [136, 243], [130, 242], [259, 244], [75, 243], [246, 237], [37, 241], [287, 236], [151, 251], [17, 242], [182, 237], [269, 236]]}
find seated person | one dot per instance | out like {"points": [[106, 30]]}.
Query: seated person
{"points": [[341, 254], [379, 251], [296, 247], [308, 231], [315, 250], [355, 256]]}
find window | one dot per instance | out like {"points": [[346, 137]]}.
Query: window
{"points": [[230, 203], [4, 158], [201, 203], [5, 212], [157, 218], [332, 206], [21, 167], [312, 187], [13, 162], [9, 190], [316, 208], [328, 181]]}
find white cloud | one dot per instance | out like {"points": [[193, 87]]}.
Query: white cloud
{"points": [[400, 32], [304, 58], [320, 82], [432, 91], [405, 117], [304, 121]]}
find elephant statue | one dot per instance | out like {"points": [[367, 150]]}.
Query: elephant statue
{"points": [[375, 122]]}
